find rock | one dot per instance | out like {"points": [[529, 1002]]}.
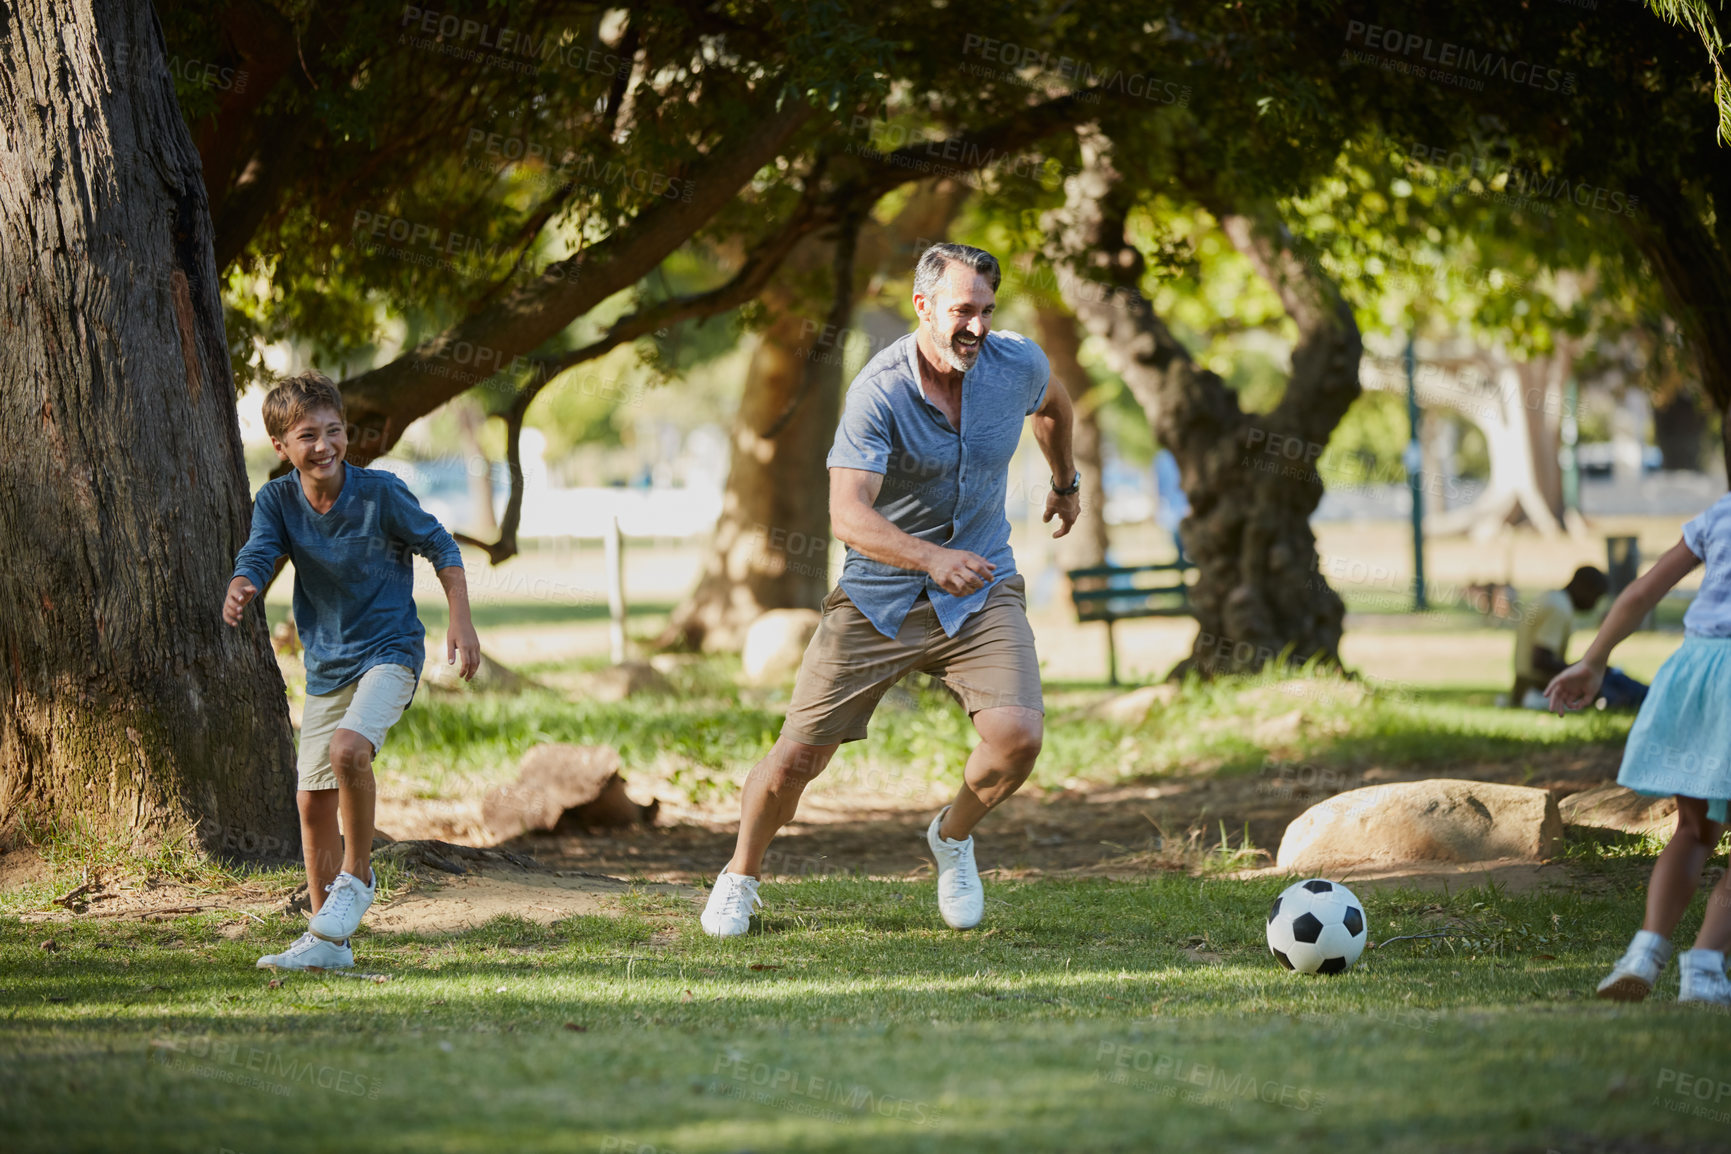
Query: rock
{"points": [[490, 677], [627, 679], [775, 644], [1133, 708], [564, 788], [1417, 821], [1611, 808]]}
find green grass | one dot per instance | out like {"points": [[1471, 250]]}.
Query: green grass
{"points": [[1088, 1015], [711, 733]]}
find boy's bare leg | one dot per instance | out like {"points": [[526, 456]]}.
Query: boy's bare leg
{"points": [[352, 761], [321, 842], [1010, 737], [1677, 873], [771, 797]]}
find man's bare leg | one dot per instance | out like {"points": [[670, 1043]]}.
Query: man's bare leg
{"points": [[771, 797], [1010, 737]]}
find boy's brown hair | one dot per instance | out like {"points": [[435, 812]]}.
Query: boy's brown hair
{"points": [[294, 397]]}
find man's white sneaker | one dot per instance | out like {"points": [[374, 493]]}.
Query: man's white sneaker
{"points": [[346, 902], [310, 953], [961, 897], [1703, 977], [728, 913], [1632, 978]]}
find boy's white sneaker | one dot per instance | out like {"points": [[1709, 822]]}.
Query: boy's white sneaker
{"points": [[961, 897], [1632, 978], [728, 913], [310, 953], [1703, 977], [346, 902]]}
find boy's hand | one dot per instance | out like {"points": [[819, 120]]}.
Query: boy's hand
{"points": [[240, 591], [460, 639], [1574, 688]]}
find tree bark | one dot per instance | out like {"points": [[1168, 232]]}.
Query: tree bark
{"points": [[1061, 339], [129, 706], [1695, 276], [1250, 477], [770, 548], [1679, 427]]}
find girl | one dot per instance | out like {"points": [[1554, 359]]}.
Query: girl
{"points": [[1680, 744]]}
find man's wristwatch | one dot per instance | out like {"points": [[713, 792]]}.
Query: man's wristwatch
{"points": [[1075, 484]]}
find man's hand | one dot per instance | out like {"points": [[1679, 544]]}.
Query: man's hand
{"points": [[1066, 507], [959, 572], [240, 591], [1574, 688], [460, 640]]}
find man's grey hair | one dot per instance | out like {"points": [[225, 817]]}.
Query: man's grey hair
{"points": [[929, 272]]}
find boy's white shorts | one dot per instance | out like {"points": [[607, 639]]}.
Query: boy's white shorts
{"points": [[369, 706]]}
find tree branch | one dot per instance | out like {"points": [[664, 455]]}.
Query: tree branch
{"points": [[384, 401], [1324, 380]]}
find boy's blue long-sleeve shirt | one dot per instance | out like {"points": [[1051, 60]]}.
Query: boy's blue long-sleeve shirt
{"points": [[354, 572]]}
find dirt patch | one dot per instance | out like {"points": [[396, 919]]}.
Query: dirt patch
{"points": [[153, 900], [22, 866], [463, 903], [430, 902], [1118, 830]]}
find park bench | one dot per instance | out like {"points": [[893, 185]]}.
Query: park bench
{"points": [[1112, 593]]}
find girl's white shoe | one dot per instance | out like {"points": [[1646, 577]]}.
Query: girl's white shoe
{"points": [[1704, 980], [1632, 978]]}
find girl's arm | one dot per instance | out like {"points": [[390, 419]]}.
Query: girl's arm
{"points": [[1578, 685]]}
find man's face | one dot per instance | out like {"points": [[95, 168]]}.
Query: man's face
{"points": [[958, 315], [315, 444]]}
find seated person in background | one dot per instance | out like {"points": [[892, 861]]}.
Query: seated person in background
{"points": [[1542, 643]]}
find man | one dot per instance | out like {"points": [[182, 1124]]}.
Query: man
{"points": [[1542, 642], [918, 474]]}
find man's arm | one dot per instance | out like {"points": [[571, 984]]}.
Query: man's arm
{"points": [[460, 638], [1052, 428], [854, 522]]}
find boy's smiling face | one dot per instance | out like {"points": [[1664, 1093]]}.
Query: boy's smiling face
{"points": [[315, 444]]}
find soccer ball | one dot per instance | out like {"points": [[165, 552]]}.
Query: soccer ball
{"points": [[1316, 927]]}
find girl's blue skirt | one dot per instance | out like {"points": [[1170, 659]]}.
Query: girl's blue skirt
{"points": [[1681, 740]]}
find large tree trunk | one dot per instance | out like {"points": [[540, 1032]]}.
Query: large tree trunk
{"points": [[128, 704], [1694, 273], [1250, 477], [1060, 336], [1679, 427], [1518, 406], [770, 549]]}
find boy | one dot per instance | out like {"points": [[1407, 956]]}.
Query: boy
{"points": [[350, 532]]}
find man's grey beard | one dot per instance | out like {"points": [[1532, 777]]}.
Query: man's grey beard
{"points": [[953, 356]]}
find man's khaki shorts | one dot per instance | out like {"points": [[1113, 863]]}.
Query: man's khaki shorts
{"points": [[849, 665], [369, 706]]}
